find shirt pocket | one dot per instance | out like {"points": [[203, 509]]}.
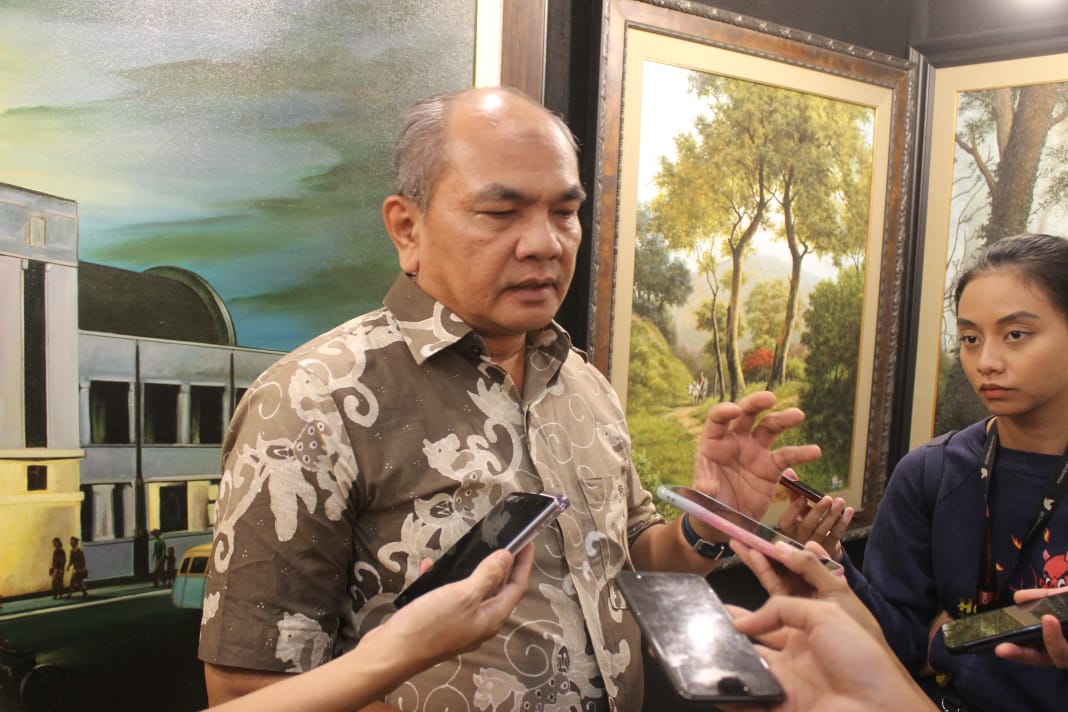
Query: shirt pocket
{"points": [[604, 509]]}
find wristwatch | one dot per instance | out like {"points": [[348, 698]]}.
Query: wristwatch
{"points": [[707, 549]]}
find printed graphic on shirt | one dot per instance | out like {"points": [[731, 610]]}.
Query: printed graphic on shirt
{"points": [[1055, 572]]}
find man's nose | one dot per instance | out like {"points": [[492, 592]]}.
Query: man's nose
{"points": [[540, 238]]}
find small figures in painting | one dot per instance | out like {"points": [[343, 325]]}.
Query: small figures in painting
{"points": [[59, 565], [159, 556], [81, 571], [169, 569]]}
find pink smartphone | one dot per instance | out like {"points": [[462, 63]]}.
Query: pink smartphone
{"points": [[732, 522]]}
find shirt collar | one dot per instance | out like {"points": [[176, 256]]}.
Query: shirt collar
{"points": [[428, 326]]}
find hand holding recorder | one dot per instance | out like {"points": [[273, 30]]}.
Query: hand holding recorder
{"points": [[814, 516]]}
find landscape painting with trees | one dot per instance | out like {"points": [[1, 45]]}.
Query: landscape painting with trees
{"points": [[1010, 175], [751, 246]]}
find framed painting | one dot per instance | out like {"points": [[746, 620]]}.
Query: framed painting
{"points": [[226, 142], [983, 182], [751, 214], [186, 192]]}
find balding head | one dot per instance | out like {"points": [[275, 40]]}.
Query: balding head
{"points": [[422, 146]]}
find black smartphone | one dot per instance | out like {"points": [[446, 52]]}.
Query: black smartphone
{"points": [[732, 522], [511, 524], [1020, 624], [797, 487], [693, 637]]}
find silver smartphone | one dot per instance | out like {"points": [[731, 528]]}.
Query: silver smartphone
{"points": [[693, 637], [511, 525]]}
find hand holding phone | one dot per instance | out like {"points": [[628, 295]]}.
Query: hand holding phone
{"points": [[511, 525], [732, 522], [693, 637], [1020, 623]]}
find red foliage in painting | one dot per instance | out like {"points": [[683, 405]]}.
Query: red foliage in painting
{"points": [[758, 360]]}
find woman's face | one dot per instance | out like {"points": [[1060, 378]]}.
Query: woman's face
{"points": [[1014, 346]]}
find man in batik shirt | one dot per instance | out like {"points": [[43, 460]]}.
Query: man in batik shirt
{"points": [[382, 441]]}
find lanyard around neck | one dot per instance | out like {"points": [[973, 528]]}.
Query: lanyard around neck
{"points": [[1054, 494]]}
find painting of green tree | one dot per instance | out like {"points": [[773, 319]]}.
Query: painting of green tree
{"points": [[752, 230], [1010, 175]]}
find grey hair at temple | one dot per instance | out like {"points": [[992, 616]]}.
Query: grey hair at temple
{"points": [[420, 155]]}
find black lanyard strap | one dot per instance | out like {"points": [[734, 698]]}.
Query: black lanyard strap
{"points": [[1053, 496]]}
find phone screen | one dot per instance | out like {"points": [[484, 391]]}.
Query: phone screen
{"points": [[511, 524], [1021, 624], [693, 637], [731, 522]]}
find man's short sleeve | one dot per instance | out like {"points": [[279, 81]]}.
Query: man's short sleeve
{"points": [[282, 555]]}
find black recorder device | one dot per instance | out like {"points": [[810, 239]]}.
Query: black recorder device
{"points": [[511, 525]]}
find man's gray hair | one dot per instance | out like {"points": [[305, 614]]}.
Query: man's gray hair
{"points": [[420, 155]]}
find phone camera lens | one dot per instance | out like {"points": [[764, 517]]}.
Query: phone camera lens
{"points": [[732, 685]]}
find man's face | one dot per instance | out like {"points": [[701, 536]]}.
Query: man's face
{"points": [[497, 241]]}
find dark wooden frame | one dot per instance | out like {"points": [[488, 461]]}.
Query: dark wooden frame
{"points": [[702, 24], [929, 57], [523, 30]]}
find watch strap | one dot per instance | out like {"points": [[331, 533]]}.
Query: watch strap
{"points": [[707, 549]]}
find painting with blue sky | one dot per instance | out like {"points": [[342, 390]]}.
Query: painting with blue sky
{"points": [[249, 141]]}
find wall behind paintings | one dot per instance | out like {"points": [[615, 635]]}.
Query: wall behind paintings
{"points": [[988, 30]]}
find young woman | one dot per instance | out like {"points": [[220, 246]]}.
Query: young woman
{"points": [[976, 515]]}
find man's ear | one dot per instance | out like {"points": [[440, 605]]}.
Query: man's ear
{"points": [[400, 215]]}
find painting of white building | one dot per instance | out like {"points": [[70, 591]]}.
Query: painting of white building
{"points": [[115, 390]]}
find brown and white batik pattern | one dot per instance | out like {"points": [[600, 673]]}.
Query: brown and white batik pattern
{"points": [[380, 443]]}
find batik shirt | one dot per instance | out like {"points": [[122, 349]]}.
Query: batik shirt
{"points": [[381, 443]]}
